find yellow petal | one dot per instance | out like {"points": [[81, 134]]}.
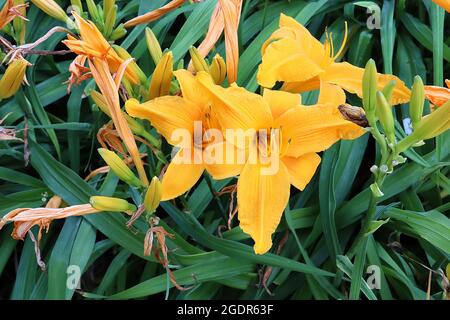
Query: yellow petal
{"points": [[281, 101], [302, 86], [261, 201], [230, 160], [302, 169], [291, 29], [191, 88], [285, 60], [167, 114], [443, 3], [332, 94], [180, 177], [349, 78], [235, 107], [309, 129]]}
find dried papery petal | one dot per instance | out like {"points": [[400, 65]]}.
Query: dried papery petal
{"points": [[231, 10], [108, 87], [154, 15], [78, 72], [10, 11], [25, 218]]}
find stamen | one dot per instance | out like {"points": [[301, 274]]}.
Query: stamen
{"points": [[343, 42]]}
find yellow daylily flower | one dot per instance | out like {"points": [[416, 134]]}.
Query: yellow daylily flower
{"points": [[93, 44], [10, 11], [438, 95], [171, 113], [443, 4], [294, 56], [262, 193]]}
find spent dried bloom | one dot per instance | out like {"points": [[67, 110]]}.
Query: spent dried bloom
{"points": [[10, 11], [155, 14]]}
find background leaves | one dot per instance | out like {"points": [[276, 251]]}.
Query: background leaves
{"points": [[321, 222]]}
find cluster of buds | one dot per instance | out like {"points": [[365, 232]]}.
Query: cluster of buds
{"points": [[217, 68], [378, 109]]}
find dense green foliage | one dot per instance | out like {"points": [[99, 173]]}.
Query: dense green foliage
{"points": [[310, 256]]}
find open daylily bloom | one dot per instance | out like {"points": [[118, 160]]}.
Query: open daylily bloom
{"points": [[289, 154], [9, 12], [443, 4], [438, 95], [225, 16], [190, 114], [294, 56], [93, 44]]}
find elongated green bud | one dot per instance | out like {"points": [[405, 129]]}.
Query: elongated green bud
{"points": [[162, 77], [417, 101], [132, 65], [77, 6], [384, 112], [119, 167], [153, 45], [370, 82], [218, 69], [118, 32], [53, 9], [153, 195], [93, 11], [111, 204], [388, 90], [197, 60], [429, 127], [110, 12]]}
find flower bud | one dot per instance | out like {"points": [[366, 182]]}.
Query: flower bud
{"points": [[384, 113], [429, 127], [93, 11], [110, 12], [153, 195], [218, 69], [77, 6], [162, 77], [13, 77], [370, 83], [388, 90], [118, 32], [153, 45], [197, 60], [417, 101], [376, 190], [111, 204], [119, 167], [53, 9], [132, 65]]}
